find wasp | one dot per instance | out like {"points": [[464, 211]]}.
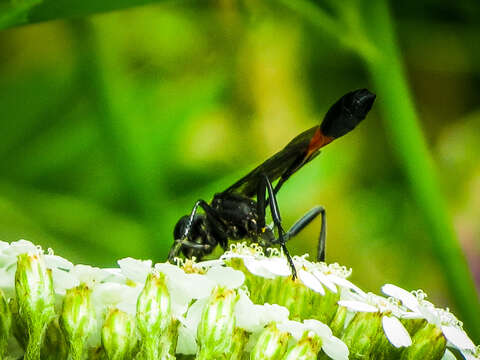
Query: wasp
{"points": [[239, 211]]}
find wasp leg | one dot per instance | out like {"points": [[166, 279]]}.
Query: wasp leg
{"points": [[277, 220], [307, 219], [180, 243], [214, 220]]}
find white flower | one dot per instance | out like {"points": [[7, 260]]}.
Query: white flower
{"points": [[57, 262], [253, 317], [136, 270], [421, 308], [394, 330], [3, 245], [187, 340], [313, 275], [226, 276], [257, 263], [190, 288], [357, 306], [9, 253], [63, 280], [267, 267], [21, 247], [7, 281], [187, 331], [311, 281], [121, 296], [317, 275], [331, 345], [89, 275], [184, 288]]}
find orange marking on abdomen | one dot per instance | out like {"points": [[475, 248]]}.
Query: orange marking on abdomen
{"points": [[318, 140]]}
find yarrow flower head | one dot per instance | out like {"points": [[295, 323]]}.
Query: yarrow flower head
{"points": [[442, 319], [245, 304]]}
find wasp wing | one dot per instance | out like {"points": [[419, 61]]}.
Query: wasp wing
{"points": [[341, 118], [279, 166]]}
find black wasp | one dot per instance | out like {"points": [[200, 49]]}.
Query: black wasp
{"points": [[234, 215]]}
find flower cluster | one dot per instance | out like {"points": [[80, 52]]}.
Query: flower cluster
{"points": [[244, 304]]}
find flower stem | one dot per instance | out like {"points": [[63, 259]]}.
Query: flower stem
{"points": [[406, 136]]}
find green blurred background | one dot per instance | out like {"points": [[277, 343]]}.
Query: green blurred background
{"points": [[113, 125]]}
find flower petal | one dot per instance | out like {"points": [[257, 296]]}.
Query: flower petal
{"points": [[272, 313], [186, 342], [395, 332], [325, 280], [112, 294], [295, 328], [197, 286], [468, 355], [407, 298], [448, 355], [335, 348], [311, 281], [257, 267], [345, 284], [136, 270], [115, 275], [458, 337], [357, 306], [89, 274], [55, 261], [278, 266], [246, 315], [320, 328], [20, 247], [63, 280], [209, 263], [194, 314], [226, 276], [3, 245], [253, 318]]}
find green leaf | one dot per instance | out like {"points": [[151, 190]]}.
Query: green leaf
{"points": [[16, 12], [33, 11]]}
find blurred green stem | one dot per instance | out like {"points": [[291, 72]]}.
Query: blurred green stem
{"points": [[408, 141], [395, 102], [126, 159]]}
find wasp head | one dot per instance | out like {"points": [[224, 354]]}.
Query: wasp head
{"points": [[197, 233]]}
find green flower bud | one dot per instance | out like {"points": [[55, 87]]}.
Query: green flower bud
{"points": [[55, 346], [413, 325], [18, 326], [307, 348], [5, 324], [97, 353], [154, 319], [119, 335], [78, 319], [301, 301], [240, 339], [272, 344], [428, 343], [217, 324], [35, 296], [363, 334], [338, 321], [323, 307]]}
